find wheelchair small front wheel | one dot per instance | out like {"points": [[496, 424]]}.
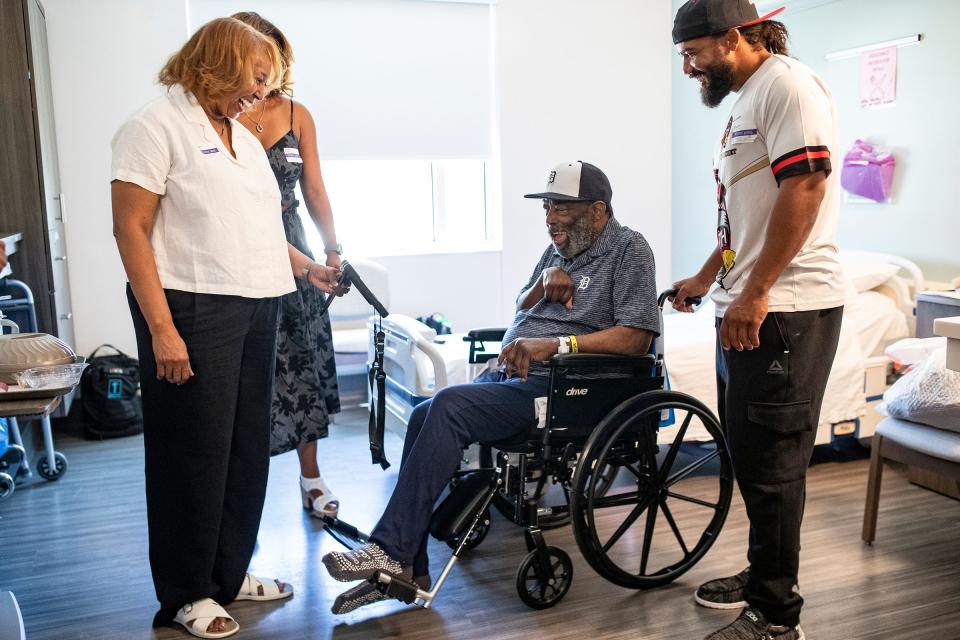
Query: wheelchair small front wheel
{"points": [[542, 587]]}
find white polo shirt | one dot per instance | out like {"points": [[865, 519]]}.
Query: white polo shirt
{"points": [[783, 124], [218, 227]]}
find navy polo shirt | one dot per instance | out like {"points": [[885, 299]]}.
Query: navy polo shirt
{"points": [[615, 282]]}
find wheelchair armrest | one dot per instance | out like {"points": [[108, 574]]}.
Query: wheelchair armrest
{"points": [[479, 335], [601, 359]]}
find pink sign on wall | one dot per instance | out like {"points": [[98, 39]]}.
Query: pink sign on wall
{"points": [[878, 78]]}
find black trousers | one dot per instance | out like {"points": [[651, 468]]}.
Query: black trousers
{"points": [[206, 445], [769, 402]]}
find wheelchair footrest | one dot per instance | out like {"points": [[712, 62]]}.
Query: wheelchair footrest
{"points": [[395, 587], [346, 534]]}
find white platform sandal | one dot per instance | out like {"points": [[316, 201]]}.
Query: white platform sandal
{"points": [[197, 616], [325, 504], [254, 588]]}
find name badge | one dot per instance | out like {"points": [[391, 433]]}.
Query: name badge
{"points": [[292, 154], [743, 136], [205, 150]]}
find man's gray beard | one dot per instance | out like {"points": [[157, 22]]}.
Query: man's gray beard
{"points": [[579, 237]]}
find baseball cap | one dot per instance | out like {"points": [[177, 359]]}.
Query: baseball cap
{"points": [[576, 181], [698, 18]]}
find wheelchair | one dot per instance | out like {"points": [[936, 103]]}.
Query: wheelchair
{"points": [[644, 504]]}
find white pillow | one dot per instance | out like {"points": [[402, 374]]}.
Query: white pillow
{"points": [[865, 276]]}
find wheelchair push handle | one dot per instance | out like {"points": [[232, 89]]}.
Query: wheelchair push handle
{"points": [[351, 277], [671, 293]]}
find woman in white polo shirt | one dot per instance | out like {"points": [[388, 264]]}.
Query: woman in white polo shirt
{"points": [[195, 209]]}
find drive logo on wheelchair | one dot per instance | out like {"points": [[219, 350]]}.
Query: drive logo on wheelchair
{"points": [[577, 392]]}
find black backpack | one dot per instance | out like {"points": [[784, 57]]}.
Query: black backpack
{"points": [[110, 389]]}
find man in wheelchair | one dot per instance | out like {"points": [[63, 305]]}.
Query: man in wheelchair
{"points": [[593, 291]]}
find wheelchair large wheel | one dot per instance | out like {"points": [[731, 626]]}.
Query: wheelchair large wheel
{"points": [[664, 506]]}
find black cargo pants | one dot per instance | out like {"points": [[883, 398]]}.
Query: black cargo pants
{"points": [[769, 403]]}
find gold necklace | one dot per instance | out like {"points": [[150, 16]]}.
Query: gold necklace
{"points": [[260, 119]]}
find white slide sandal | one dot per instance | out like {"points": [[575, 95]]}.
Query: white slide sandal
{"points": [[197, 616], [254, 588], [326, 504]]}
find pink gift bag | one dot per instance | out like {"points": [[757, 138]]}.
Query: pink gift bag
{"points": [[868, 171]]}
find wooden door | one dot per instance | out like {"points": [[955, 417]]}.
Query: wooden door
{"points": [[22, 206]]}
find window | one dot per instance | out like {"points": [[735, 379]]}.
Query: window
{"points": [[406, 207]]}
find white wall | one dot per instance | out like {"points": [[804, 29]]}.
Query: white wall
{"points": [[384, 78], [923, 222], [397, 78], [583, 80], [100, 77], [577, 79]]}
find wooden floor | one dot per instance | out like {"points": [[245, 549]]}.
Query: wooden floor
{"points": [[74, 552]]}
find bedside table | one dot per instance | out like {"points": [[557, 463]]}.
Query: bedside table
{"points": [[932, 305], [950, 328]]}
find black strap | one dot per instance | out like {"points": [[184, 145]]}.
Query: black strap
{"points": [[97, 350], [291, 118], [377, 413]]}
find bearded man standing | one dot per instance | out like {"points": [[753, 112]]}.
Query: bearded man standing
{"points": [[592, 291], [779, 291]]}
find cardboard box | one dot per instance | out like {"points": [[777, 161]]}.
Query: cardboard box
{"points": [[950, 327]]}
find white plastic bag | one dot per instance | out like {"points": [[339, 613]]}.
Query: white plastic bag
{"points": [[929, 393], [910, 351]]}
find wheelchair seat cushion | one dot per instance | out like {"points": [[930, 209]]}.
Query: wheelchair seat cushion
{"points": [[521, 443]]}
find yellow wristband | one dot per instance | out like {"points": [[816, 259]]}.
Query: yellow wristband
{"points": [[574, 347]]}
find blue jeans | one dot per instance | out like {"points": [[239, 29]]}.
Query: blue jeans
{"points": [[437, 433]]}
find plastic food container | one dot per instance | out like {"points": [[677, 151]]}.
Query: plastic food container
{"points": [[53, 377], [22, 351]]}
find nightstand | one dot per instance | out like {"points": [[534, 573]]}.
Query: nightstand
{"points": [[927, 478], [932, 305]]}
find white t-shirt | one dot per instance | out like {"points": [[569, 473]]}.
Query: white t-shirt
{"points": [[218, 227], [783, 124]]}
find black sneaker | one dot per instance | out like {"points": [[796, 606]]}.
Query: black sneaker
{"points": [[359, 564], [751, 625], [723, 593]]}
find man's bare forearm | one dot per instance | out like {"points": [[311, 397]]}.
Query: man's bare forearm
{"points": [[628, 341], [794, 215], [710, 268], [531, 296]]}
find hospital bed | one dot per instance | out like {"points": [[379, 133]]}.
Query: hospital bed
{"points": [[879, 310], [418, 363]]}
